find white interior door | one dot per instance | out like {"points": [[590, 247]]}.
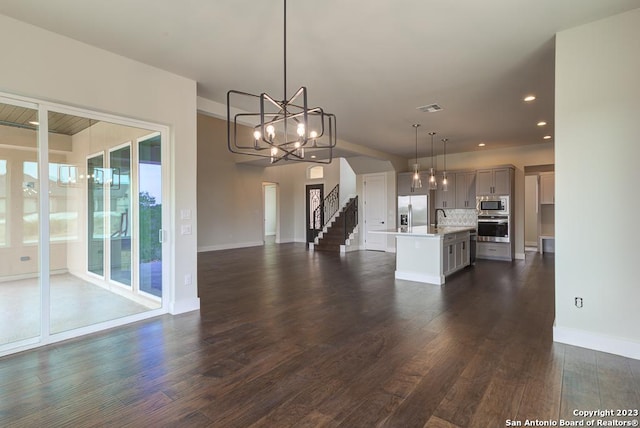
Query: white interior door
{"points": [[375, 211]]}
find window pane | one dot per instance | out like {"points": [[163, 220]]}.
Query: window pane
{"points": [[150, 215], [95, 214], [19, 263], [119, 184]]}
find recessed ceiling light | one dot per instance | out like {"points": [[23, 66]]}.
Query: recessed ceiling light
{"points": [[542, 123], [529, 98], [313, 156], [547, 137], [33, 122], [481, 145]]}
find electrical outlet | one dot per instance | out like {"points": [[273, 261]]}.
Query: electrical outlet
{"points": [[578, 302], [187, 279]]}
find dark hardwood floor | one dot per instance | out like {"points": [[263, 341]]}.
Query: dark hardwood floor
{"points": [[288, 337]]}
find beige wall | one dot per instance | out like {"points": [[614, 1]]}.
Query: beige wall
{"points": [[230, 194], [597, 175], [60, 69]]}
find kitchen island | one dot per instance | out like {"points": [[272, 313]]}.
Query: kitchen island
{"points": [[426, 254]]}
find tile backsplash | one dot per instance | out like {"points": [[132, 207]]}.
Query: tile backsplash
{"points": [[458, 217]]}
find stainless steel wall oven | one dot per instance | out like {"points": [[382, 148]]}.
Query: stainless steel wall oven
{"points": [[493, 228]]}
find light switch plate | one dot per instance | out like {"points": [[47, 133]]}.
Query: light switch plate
{"points": [[185, 214], [185, 229]]}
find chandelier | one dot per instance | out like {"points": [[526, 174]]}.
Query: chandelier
{"points": [[286, 129]]}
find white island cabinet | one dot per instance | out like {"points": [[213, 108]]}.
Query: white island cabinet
{"points": [[428, 255]]}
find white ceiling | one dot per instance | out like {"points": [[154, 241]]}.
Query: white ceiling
{"points": [[371, 63]]}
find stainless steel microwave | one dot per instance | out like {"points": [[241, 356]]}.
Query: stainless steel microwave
{"points": [[492, 205]]}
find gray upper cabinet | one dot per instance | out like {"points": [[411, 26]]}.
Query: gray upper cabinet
{"points": [[404, 184], [446, 199], [493, 181], [466, 190]]}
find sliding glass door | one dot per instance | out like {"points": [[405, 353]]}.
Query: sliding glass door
{"points": [[90, 191]]}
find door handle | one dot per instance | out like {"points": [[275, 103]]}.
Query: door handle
{"points": [[160, 236]]}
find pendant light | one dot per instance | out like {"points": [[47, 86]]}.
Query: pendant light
{"points": [[445, 182], [433, 183], [416, 182]]}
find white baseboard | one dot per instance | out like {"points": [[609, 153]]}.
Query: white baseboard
{"points": [[284, 241], [519, 256], [420, 277], [230, 246], [597, 342], [182, 306]]}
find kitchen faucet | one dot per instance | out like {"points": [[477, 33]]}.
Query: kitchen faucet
{"points": [[443, 213]]}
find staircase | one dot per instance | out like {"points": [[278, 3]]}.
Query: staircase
{"points": [[340, 234]]}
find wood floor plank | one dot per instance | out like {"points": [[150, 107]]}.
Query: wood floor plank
{"points": [[436, 422], [615, 383], [580, 388], [446, 364], [462, 400], [543, 391]]}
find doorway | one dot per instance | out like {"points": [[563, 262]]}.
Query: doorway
{"points": [[531, 212], [270, 220], [539, 208], [315, 217]]}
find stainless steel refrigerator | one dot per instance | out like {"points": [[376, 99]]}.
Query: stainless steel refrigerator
{"points": [[413, 211]]}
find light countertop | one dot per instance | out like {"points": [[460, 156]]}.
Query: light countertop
{"points": [[427, 231]]}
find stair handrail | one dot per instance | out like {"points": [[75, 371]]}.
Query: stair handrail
{"points": [[350, 217], [327, 208]]}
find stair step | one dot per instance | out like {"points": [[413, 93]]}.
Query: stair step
{"points": [[334, 237]]}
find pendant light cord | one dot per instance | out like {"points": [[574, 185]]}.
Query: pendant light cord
{"points": [[432, 134], [416, 144], [285, 51]]}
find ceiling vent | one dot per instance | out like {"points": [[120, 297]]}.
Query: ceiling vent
{"points": [[431, 108]]}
